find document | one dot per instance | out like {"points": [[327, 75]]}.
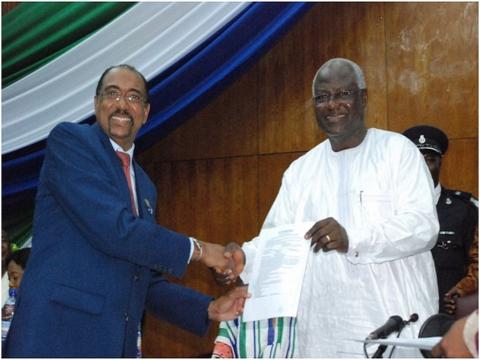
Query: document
{"points": [[277, 272], [426, 343]]}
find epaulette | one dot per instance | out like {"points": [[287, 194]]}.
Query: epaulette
{"points": [[463, 195]]}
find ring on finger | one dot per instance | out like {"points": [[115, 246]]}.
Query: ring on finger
{"points": [[328, 238]]}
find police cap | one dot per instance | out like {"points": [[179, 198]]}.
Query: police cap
{"points": [[427, 137]]}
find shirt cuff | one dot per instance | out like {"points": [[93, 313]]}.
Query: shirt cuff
{"points": [[191, 250]]}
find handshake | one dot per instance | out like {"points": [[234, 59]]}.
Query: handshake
{"points": [[226, 262]]}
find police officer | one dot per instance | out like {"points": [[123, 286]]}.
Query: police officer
{"points": [[455, 253]]}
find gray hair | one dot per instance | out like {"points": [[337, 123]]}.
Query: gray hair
{"points": [[357, 71]]}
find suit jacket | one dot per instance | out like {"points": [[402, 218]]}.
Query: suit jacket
{"points": [[94, 266]]}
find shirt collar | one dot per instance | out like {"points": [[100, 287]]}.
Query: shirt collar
{"points": [[117, 147], [437, 192]]}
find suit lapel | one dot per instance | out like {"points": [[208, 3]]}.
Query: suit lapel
{"points": [[145, 201], [138, 188]]}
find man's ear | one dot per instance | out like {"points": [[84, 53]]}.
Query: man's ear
{"points": [[364, 97], [147, 111], [96, 101]]}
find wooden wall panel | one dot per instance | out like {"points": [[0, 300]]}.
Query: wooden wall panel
{"points": [[212, 199], [351, 30], [227, 127], [433, 66], [218, 174], [270, 171], [460, 165]]}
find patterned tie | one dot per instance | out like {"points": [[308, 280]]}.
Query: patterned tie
{"points": [[125, 159]]}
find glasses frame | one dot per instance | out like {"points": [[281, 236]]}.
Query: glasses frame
{"points": [[342, 95], [127, 97]]}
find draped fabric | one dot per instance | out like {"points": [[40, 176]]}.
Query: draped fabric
{"points": [[150, 36], [188, 51], [35, 33]]}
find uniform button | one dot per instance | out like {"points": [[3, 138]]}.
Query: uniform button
{"points": [[356, 254], [136, 277], [126, 316]]}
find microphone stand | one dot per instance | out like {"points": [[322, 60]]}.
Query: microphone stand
{"points": [[380, 350]]}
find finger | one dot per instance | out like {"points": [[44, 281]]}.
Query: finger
{"points": [[314, 229], [318, 246], [328, 227], [238, 258], [321, 240], [329, 246], [319, 225], [231, 248]]}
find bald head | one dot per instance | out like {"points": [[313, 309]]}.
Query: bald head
{"points": [[339, 68]]}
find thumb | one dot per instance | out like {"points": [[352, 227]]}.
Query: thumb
{"points": [[239, 261]]}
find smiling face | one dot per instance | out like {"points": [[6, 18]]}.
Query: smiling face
{"points": [[340, 105], [119, 118]]}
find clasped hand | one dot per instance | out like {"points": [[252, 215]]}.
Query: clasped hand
{"points": [[228, 306], [226, 262], [327, 235]]}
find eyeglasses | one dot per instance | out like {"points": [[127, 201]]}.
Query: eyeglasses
{"points": [[114, 95], [342, 95]]}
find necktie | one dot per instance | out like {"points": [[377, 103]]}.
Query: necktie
{"points": [[125, 159]]}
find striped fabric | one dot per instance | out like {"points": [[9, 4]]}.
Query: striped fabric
{"points": [[272, 338]]}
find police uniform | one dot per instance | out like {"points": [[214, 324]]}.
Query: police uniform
{"points": [[457, 215]]}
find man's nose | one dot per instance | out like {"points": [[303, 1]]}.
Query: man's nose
{"points": [[332, 103], [122, 102]]}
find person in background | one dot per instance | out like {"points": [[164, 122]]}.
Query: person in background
{"points": [[461, 340], [99, 258], [370, 197], [456, 251], [16, 264]]}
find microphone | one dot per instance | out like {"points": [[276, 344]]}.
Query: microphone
{"points": [[394, 323], [413, 318]]}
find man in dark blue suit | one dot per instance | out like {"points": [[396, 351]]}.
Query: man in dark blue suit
{"points": [[97, 253]]}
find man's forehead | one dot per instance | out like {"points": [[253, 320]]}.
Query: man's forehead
{"points": [[120, 76], [337, 71]]}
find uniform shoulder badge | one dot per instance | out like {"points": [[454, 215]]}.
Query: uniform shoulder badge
{"points": [[464, 196], [474, 201]]}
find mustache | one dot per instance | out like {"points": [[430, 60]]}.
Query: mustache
{"points": [[122, 113]]}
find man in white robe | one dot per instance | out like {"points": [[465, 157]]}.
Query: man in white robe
{"points": [[371, 195]]}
